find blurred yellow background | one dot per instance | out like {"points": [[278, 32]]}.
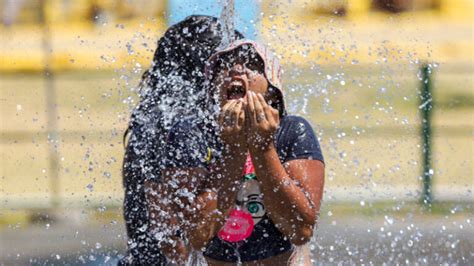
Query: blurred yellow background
{"points": [[350, 67], [92, 34]]}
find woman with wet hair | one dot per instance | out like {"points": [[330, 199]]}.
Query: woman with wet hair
{"points": [[169, 90], [247, 179]]}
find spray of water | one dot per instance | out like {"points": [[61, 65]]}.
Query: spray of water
{"points": [[227, 20]]}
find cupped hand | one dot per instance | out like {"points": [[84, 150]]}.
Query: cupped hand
{"points": [[232, 123], [262, 122]]}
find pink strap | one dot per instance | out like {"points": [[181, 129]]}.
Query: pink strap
{"points": [[248, 166]]}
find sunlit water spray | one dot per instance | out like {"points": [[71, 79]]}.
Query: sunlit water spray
{"points": [[228, 30], [227, 20]]}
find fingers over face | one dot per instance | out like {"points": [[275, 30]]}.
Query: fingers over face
{"points": [[276, 115], [250, 101], [232, 105], [241, 118], [269, 110], [241, 114], [261, 100], [230, 118], [227, 105], [260, 114], [237, 108], [265, 107], [251, 117], [224, 116]]}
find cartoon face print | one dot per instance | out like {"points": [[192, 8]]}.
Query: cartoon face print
{"points": [[250, 199], [238, 226]]}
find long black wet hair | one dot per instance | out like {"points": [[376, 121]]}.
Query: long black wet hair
{"points": [[181, 55], [172, 88]]}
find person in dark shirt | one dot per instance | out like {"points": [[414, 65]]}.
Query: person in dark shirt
{"points": [[175, 81], [246, 181]]}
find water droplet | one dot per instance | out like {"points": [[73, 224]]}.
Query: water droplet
{"points": [[129, 48], [143, 228], [107, 174], [388, 219]]}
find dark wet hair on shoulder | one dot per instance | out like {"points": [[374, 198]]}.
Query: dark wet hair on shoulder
{"points": [[276, 100], [170, 89]]}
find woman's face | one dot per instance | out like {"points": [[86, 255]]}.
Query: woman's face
{"points": [[238, 73]]}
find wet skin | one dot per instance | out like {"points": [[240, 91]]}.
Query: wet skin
{"points": [[248, 123]]}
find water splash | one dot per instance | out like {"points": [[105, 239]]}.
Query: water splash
{"points": [[227, 20]]}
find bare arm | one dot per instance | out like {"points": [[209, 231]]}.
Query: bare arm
{"points": [[292, 193], [298, 183]]}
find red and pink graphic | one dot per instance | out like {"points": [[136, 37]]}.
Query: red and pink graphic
{"points": [[240, 223], [238, 226], [248, 166]]}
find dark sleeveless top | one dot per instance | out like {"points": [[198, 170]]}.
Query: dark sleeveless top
{"points": [[190, 145]]}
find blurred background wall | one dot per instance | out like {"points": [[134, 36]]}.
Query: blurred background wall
{"points": [[109, 23], [69, 69], [98, 48]]}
